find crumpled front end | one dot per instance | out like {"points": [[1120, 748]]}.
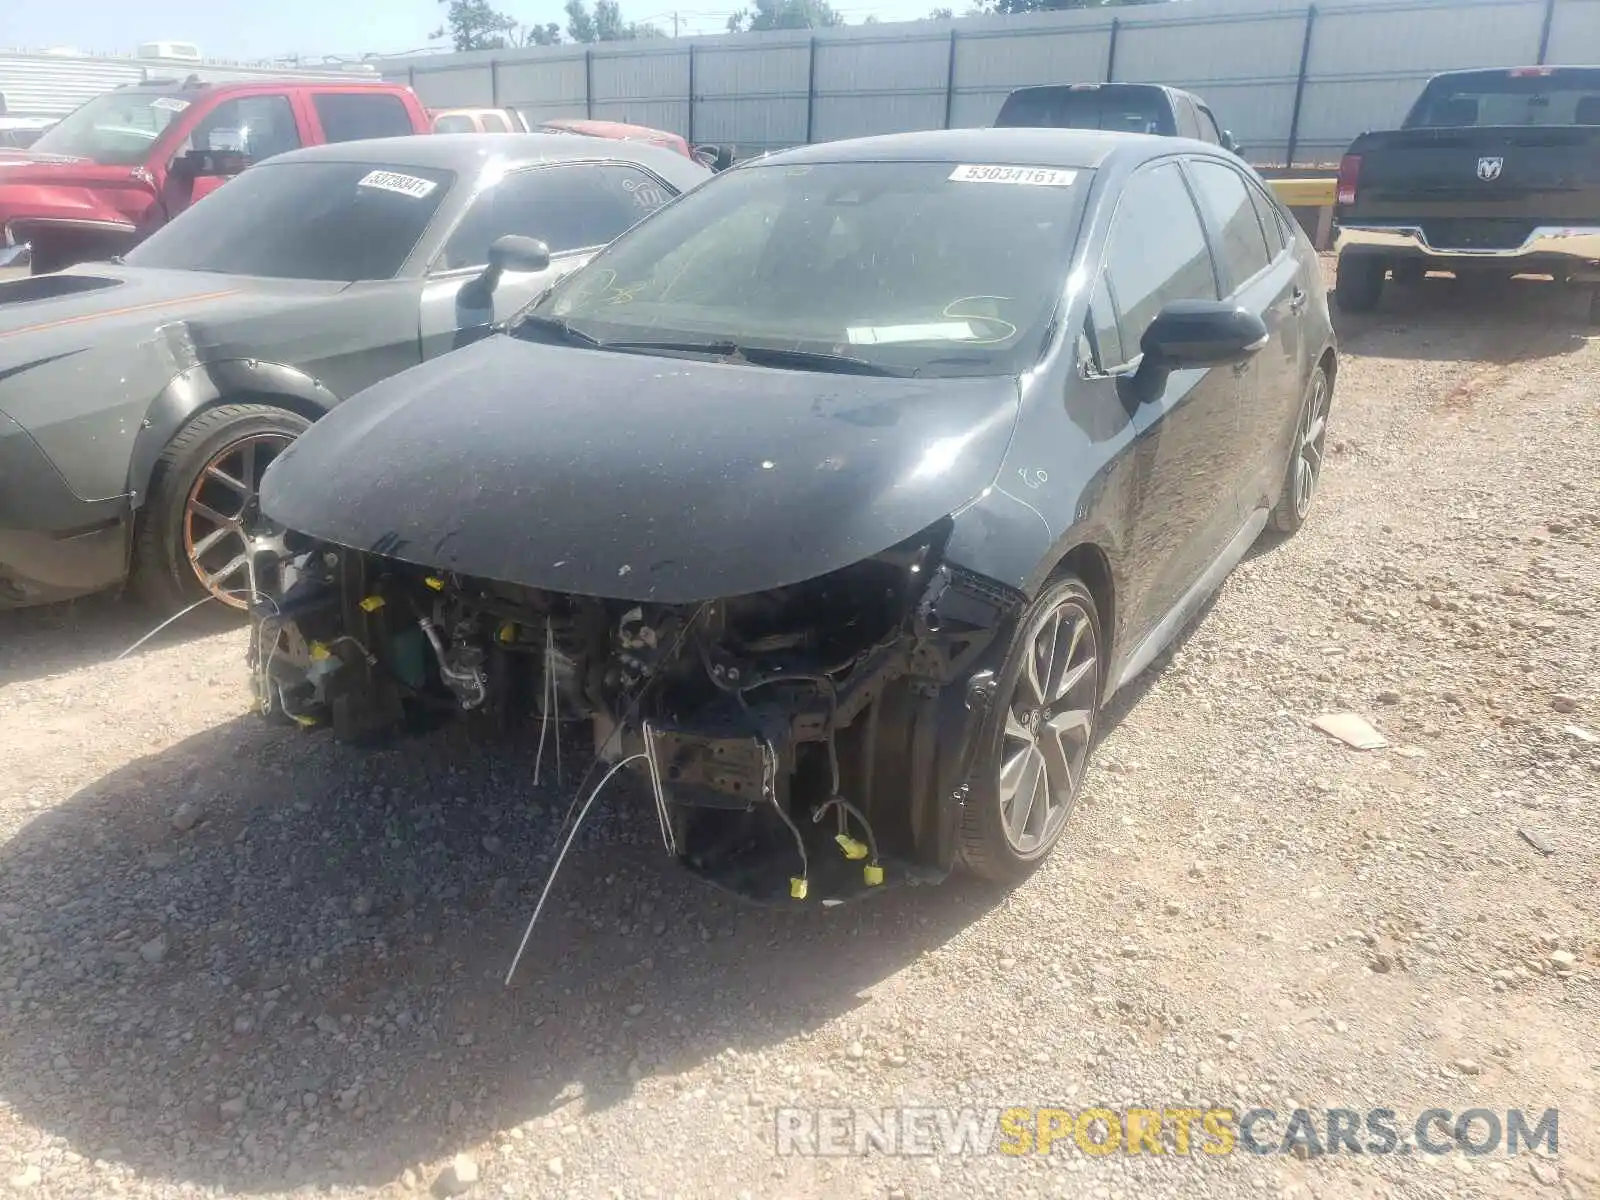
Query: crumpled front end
{"points": [[782, 736]]}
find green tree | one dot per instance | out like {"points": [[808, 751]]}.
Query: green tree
{"points": [[604, 23], [784, 14], [941, 14], [548, 34], [473, 25], [1028, 6]]}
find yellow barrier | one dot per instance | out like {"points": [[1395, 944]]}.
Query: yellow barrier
{"points": [[1304, 193]]}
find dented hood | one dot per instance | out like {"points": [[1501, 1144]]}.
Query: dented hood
{"points": [[638, 477]]}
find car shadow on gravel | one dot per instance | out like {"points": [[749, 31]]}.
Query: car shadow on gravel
{"points": [[260, 959], [55, 638], [1442, 319]]}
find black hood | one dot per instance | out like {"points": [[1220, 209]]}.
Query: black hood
{"points": [[638, 477]]}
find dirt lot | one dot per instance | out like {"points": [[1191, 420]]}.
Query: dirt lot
{"points": [[240, 961]]}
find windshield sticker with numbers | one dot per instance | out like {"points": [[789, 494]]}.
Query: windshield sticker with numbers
{"points": [[393, 181], [169, 104], [1028, 176]]}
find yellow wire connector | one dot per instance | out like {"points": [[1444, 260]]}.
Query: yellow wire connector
{"points": [[853, 850], [434, 582], [797, 887], [372, 603], [873, 874], [320, 651], [507, 633]]}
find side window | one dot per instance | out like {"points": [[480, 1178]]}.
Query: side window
{"points": [[256, 126], [1183, 108], [1241, 246], [351, 116], [1271, 223], [494, 123], [454, 123], [1208, 125], [1157, 251], [569, 207]]}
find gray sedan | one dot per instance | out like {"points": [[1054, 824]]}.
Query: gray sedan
{"points": [[141, 400]]}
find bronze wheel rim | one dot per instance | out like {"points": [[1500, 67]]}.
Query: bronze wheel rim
{"points": [[221, 516]]}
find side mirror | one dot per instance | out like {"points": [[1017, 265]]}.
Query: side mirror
{"points": [[1202, 333], [509, 252], [1229, 143], [198, 164]]}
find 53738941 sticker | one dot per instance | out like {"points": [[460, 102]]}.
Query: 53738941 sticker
{"points": [[393, 181], [1026, 176]]}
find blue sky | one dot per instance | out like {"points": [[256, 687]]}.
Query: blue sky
{"points": [[267, 28]]}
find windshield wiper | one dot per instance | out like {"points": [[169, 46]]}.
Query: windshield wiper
{"points": [[556, 325], [765, 356]]}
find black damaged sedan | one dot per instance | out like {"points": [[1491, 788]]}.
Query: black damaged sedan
{"points": [[835, 498]]}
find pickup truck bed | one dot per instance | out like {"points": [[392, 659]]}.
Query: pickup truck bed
{"points": [[1493, 172]]}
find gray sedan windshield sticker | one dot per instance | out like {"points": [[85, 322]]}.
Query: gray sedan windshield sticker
{"points": [[393, 181], [1032, 176]]}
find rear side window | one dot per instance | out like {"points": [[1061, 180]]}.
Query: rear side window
{"points": [[494, 123], [1271, 221], [351, 116], [454, 123], [1157, 252], [1188, 123], [573, 206], [1241, 246]]}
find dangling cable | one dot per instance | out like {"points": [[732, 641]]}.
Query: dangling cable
{"points": [[561, 858], [663, 814], [799, 884], [544, 719]]}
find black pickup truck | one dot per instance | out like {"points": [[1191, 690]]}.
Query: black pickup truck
{"points": [[1494, 173]]}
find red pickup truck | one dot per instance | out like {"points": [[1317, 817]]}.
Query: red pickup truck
{"points": [[122, 165]]}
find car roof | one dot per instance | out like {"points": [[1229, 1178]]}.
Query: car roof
{"points": [[237, 85], [1081, 149], [467, 153]]}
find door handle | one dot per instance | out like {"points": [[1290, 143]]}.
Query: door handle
{"points": [[1298, 300]]}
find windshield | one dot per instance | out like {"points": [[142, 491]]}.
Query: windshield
{"points": [[303, 220], [1508, 98], [1130, 110], [114, 130], [932, 268]]}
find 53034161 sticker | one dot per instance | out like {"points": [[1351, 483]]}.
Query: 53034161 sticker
{"points": [[1026, 176], [393, 181]]}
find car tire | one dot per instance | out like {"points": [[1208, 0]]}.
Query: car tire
{"points": [[1036, 736], [1307, 453], [170, 532], [1359, 283]]}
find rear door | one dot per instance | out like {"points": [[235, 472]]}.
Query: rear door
{"points": [[1258, 272], [350, 116], [574, 208]]}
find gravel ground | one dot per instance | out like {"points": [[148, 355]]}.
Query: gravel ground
{"points": [[241, 961]]}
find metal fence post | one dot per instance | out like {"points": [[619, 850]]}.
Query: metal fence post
{"points": [[1544, 30], [1300, 87], [689, 136], [588, 83], [1111, 50], [811, 89], [494, 83], [950, 81]]}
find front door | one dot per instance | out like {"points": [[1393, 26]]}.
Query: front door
{"points": [[1183, 490]]}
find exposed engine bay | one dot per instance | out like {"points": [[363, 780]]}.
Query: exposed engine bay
{"points": [[774, 731]]}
